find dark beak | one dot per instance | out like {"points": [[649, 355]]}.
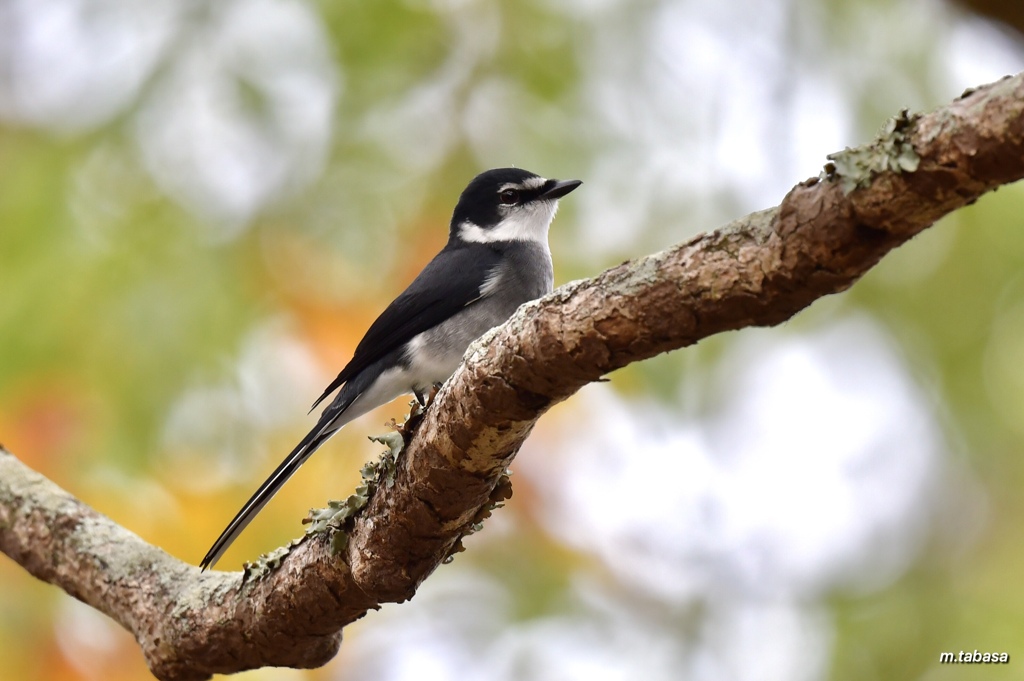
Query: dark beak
{"points": [[556, 189]]}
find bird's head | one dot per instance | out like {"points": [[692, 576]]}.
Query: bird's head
{"points": [[508, 204]]}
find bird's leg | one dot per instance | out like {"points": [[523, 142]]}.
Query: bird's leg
{"points": [[423, 397]]}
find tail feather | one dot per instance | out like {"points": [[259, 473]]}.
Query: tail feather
{"points": [[375, 386], [309, 444]]}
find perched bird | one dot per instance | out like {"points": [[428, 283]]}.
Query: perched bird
{"points": [[496, 259]]}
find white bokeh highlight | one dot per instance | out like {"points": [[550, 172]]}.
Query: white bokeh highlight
{"points": [[814, 474], [70, 65], [244, 117]]}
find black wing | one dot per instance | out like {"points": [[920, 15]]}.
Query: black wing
{"points": [[448, 283]]}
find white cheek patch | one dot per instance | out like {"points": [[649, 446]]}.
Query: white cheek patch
{"points": [[529, 222]]}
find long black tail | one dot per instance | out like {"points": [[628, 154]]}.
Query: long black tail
{"points": [[309, 444]]}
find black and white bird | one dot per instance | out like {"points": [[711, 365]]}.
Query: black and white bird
{"points": [[496, 259]]}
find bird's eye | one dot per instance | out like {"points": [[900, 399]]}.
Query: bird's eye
{"points": [[508, 196]]}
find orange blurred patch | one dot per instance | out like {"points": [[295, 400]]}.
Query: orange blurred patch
{"points": [[42, 421], [424, 240], [335, 330]]}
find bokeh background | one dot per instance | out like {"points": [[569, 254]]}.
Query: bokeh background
{"points": [[204, 204]]}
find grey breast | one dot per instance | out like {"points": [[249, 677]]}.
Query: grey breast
{"points": [[525, 274]]}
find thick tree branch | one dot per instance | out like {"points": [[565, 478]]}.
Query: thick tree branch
{"points": [[758, 271]]}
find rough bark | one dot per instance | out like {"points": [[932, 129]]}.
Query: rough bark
{"points": [[757, 271]]}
